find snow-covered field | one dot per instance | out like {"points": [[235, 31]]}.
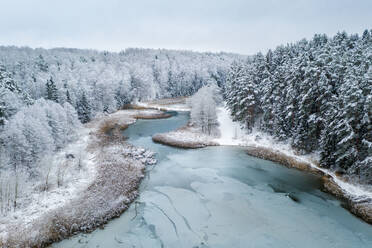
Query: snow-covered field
{"points": [[232, 134]]}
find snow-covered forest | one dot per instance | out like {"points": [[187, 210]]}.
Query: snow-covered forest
{"points": [[104, 81], [315, 94], [45, 95]]}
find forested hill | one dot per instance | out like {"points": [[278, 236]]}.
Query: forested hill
{"points": [[95, 81], [316, 94], [45, 92]]}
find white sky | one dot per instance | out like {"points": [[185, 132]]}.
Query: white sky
{"points": [[241, 26]]}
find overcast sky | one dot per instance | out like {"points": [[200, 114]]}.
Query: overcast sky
{"points": [[241, 26]]}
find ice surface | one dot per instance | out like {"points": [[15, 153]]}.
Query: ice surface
{"points": [[232, 134], [221, 197]]}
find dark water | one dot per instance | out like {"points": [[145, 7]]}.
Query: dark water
{"points": [[221, 197]]}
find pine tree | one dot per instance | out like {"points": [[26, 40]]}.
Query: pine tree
{"points": [[83, 109], [315, 94], [11, 96], [234, 92], [42, 64], [68, 97], [7, 82], [2, 107], [51, 90]]}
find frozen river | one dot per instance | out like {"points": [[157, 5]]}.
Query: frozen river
{"points": [[221, 197]]}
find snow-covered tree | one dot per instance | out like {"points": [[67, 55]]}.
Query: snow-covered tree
{"points": [[37, 130], [83, 109], [12, 98], [316, 94], [203, 108], [51, 90]]}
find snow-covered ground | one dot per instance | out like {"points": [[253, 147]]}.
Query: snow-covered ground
{"points": [[233, 134], [100, 178], [230, 132], [75, 180]]}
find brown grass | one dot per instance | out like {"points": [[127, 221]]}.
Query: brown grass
{"points": [[106, 127], [163, 139], [330, 186], [167, 139], [110, 131], [153, 116], [111, 193], [137, 107], [133, 106], [162, 102], [110, 124], [106, 198], [362, 209], [170, 101], [281, 158]]}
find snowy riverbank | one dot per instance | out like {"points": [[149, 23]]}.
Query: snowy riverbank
{"points": [[188, 136], [358, 197], [107, 174]]}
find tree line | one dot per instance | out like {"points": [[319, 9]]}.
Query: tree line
{"points": [[45, 95], [82, 83], [314, 94], [95, 82]]}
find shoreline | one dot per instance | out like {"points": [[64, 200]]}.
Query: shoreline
{"points": [[361, 208], [107, 143], [120, 168]]}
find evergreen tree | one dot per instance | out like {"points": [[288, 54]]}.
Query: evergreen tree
{"points": [[42, 64], [83, 109], [68, 97], [51, 90], [11, 96], [316, 94]]}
